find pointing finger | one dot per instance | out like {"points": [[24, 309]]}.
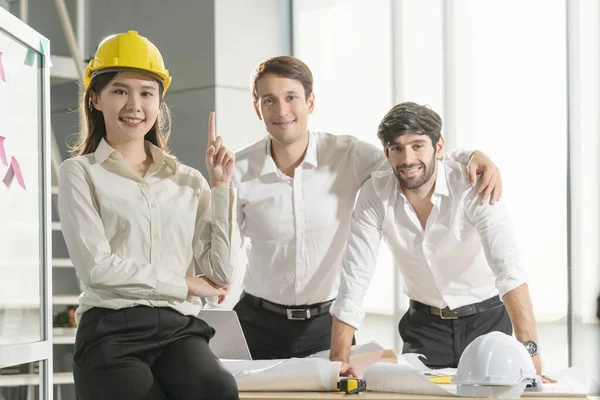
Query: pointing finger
{"points": [[211, 128]]}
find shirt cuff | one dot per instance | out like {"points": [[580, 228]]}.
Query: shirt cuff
{"points": [[170, 285], [212, 303], [508, 283], [223, 202], [350, 314]]}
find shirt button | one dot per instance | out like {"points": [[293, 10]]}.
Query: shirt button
{"points": [[155, 236], [153, 205], [143, 185]]}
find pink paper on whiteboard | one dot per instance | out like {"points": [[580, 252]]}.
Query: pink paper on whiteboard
{"points": [[17, 168], [2, 152], [2, 76], [14, 171]]}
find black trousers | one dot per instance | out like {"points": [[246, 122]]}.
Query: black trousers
{"points": [[443, 341], [147, 353], [271, 336]]}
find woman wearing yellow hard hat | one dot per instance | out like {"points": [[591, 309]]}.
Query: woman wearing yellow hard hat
{"points": [[134, 219]]}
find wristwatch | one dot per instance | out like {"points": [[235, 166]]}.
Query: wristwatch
{"points": [[532, 348]]}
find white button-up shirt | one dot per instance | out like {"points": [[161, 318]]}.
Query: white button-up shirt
{"points": [[297, 228], [467, 252], [133, 239]]}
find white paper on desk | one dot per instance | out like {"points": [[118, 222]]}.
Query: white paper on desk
{"points": [[405, 378], [573, 381], [400, 378], [293, 375], [364, 355], [356, 349], [414, 359], [362, 361]]}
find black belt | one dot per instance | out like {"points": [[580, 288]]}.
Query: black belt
{"points": [[289, 312], [464, 311]]}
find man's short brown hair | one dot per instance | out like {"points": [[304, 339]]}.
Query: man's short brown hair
{"points": [[286, 67]]}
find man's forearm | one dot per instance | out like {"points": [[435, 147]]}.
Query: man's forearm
{"points": [[341, 340], [520, 309]]}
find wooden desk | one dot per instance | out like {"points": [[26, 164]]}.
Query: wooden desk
{"points": [[329, 396], [364, 395]]}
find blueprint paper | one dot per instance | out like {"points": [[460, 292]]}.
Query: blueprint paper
{"points": [[400, 378], [288, 375], [396, 374], [364, 355]]}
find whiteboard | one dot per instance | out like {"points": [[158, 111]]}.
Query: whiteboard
{"points": [[21, 191]]}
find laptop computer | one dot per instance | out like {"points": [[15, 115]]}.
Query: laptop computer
{"points": [[229, 342]]}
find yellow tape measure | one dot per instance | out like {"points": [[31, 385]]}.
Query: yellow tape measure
{"points": [[352, 385], [440, 380]]}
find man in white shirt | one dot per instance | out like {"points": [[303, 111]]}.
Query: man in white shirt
{"points": [[296, 192], [459, 257]]}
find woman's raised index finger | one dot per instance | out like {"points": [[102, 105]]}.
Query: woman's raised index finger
{"points": [[211, 128]]}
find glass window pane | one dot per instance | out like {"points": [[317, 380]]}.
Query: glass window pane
{"points": [[584, 103], [352, 70], [20, 382], [509, 98]]}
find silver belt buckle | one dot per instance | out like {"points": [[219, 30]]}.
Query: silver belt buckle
{"points": [[446, 313], [298, 314]]}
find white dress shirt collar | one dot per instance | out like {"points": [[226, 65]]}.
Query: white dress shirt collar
{"points": [[269, 166], [441, 181], [159, 157]]}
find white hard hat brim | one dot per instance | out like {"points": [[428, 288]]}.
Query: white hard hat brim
{"points": [[502, 392]]}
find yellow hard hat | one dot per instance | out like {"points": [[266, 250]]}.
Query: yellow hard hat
{"points": [[128, 50]]}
